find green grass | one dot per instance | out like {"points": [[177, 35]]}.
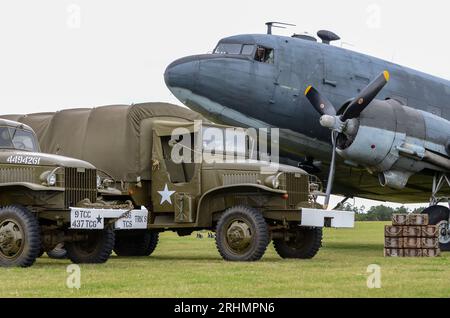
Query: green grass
{"points": [[191, 267]]}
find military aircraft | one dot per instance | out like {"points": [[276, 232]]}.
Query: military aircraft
{"points": [[393, 148]]}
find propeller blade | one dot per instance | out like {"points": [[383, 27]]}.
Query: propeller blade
{"points": [[332, 171], [320, 103], [366, 96]]}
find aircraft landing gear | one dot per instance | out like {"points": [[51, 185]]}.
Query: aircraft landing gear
{"points": [[440, 215]]}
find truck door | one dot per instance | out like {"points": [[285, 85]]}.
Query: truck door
{"points": [[175, 185]]}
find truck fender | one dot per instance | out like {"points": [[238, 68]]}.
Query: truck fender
{"points": [[235, 188]]}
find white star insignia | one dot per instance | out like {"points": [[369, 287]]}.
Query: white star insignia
{"points": [[165, 195]]}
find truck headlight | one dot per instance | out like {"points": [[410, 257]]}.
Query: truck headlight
{"points": [[51, 179], [99, 182], [48, 178], [273, 181]]}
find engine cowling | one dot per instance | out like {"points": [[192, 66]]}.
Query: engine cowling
{"points": [[396, 141]]}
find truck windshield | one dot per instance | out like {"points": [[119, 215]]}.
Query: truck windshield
{"points": [[17, 138], [229, 141]]}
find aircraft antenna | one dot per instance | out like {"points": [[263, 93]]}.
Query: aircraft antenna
{"points": [[280, 25]]}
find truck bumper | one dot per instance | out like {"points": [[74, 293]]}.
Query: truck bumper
{"points": [[97, 219], [324, 218]]}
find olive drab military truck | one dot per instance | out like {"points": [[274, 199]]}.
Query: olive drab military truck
{"points": [[39, 194], [247, 202]]}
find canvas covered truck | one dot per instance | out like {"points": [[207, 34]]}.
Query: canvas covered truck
{"points": [[247, 202], [38, 194]]}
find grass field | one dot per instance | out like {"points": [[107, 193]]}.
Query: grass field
{"points": [[191, 267]]}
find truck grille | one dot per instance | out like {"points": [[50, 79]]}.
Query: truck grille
{"points": [[236, 178], [22, 174], [297, 186], [79, 184]]}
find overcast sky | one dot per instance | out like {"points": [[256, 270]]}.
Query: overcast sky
{"points": [[58, 54]]}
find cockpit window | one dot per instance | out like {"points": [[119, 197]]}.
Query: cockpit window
{"points": [[228, 48], [235, 48], [16, 138], [248, 49], [264, 55]]}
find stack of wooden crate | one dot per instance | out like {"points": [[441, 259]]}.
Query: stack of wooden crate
{"points": [[411, 236]]}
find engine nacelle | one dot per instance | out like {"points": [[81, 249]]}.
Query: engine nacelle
{"points": [[396, 141]]}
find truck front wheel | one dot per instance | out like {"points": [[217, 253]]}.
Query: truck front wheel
{"points": [[242, 234], [20, 237], [303, 243], [95, 249]]}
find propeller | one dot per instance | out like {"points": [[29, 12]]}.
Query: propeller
{"points": [[339, 124], [367, 95], [320, 103]]}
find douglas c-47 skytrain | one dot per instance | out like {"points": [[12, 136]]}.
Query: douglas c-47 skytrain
{"points": [[395, 147]]}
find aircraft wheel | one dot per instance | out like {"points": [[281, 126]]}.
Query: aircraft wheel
{"points": [[95, 249], [20, 237], [304, 243], [440, 215], [242, 234], [135, 243]]}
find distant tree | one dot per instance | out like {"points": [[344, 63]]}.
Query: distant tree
{"points": [[377, 213], [418, 210]]}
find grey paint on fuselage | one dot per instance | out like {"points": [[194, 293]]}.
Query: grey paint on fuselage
{"points": [[237, 90]]}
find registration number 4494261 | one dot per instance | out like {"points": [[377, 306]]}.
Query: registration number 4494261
{"points": [[26, 160]]}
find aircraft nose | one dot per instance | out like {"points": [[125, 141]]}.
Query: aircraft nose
{"points": [[182, 73]]}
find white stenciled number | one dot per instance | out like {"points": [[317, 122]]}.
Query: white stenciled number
{"points": [[24, 160]]}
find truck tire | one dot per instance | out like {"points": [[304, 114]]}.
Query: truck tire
{"points": [[440, 215], [20, 237], [95, 250], [137, 243], [59, 252], [242, 234], [304, 245]]}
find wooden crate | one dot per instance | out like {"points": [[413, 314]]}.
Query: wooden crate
{"points": [[430, 242], [417, 219], [431, 252], [393, 242], [412, 253], [393, 231], [412, 242], [430, 231], [393, 252], [412, 231], [400, 219]]}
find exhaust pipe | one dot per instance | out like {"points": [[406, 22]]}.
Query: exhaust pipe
{"points": [[394, 179]]}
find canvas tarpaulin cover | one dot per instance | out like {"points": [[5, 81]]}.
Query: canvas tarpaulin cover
{"points": [[116, 139]]}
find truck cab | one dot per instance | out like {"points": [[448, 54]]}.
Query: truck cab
{"points": [[41, 196], [203, 178]]}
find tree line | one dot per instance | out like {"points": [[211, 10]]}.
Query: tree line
{"points": [[377, 213]]}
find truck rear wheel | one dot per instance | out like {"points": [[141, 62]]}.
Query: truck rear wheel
{"points": [[135, 243], [304, 243], [440, 215], [20, 237], [96, 249], [242, 234]]}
